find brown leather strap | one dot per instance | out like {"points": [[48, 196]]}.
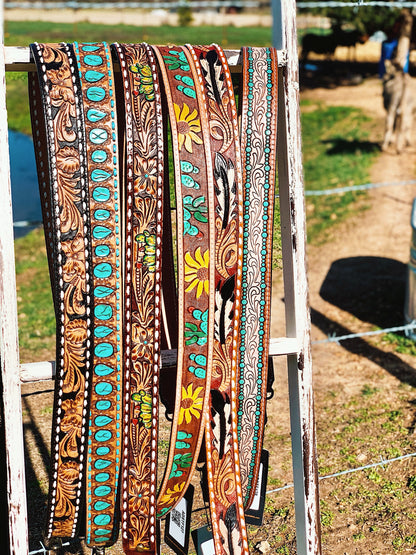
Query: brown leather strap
{"points": [[258, 144], [195, 236], [61, 116], [143, 300], [104, 199], [222, 450]]}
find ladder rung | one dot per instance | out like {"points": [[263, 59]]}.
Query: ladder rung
{"points": [[39, 371], [17, 58]]}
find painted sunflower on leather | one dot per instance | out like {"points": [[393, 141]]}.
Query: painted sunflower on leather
{"points": [[191, 404], [188, 125], [196, 272]]}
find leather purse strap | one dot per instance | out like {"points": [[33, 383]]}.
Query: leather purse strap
{"points": [[195, 246], [258, 145], [58, 130], [221, 446], [143, 295], [103, 457]]}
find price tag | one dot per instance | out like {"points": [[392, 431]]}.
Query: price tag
{"points": [[178, 524], [254, 513], [203, 541]]}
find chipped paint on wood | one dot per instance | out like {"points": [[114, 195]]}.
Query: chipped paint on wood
{"points": [[9, 350], [292, 205]]}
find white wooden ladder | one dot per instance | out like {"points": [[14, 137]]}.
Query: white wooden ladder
{"points": [[295, 345]]}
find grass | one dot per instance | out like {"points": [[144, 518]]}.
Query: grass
{"points": [[374, 508], [20, 33], [336, 152], [34, 297]]}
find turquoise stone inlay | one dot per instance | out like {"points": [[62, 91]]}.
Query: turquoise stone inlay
{"points": [[103, 350], [102, 250], [103, 450], [93, 76], [95, 94], [102, 476], [102, 491], [102, 520], [100, 156], [90, 47], [103, 270], [103, 370], [102, 405], [93, 60], [98, 136], [103, 311], [102, 331], [100, 464], [102, 532], [102, 420], [103, 388], [101, 214], [101, 232], [102, 291], [103, 435], [95, 115], [98, 175], [101, 505]]}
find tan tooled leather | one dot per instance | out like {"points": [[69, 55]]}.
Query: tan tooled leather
{"points": [[58, 119], [258, 147], [144, 172]]}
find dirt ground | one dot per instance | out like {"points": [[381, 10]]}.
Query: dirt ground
{"points": [[373, 245], [357, 282]]}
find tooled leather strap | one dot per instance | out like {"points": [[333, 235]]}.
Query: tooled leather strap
{"points": [[258, 145], [195, 240], [58, 119], [105, 414], [143, 312], [222, 450]]}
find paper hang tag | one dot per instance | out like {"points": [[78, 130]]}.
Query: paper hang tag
{"points": [[254, 513], [178, 524], [203, 541]]}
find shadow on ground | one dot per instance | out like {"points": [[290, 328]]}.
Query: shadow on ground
{"points": [[373, 290], [339, 145], [333, 73]]}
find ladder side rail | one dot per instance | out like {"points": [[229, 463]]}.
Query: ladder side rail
{"points": [[292, 209], [9, 348]]}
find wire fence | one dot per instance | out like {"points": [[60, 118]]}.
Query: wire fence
{"points": [[357, 4], [144, 4], [364, 187]]}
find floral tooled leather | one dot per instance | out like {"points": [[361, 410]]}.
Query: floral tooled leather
{"points": [[196, 249], [221, 447], [143, 230], [104, 449], [61, 126], [258, 143]]}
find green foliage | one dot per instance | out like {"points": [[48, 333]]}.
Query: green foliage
{"points": [[401, 343], [185, 16], [411, 483], [21, 33], [366, 19], [34, 297], [336, 152], [367, 390], [17, 101]]}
